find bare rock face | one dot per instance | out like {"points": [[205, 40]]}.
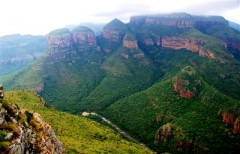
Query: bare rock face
{"points": [[83, 37], [232, 121], [130, 41], [186, 83], [180, 87], [1, 92], [25, 132], [191, 44], [59, 39], [114, 31], [163, 133]]}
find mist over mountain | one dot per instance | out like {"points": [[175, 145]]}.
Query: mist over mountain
{"points": [[171, 81], [17, 51]]}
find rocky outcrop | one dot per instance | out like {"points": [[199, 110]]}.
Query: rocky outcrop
{"points": [[59, 39], [62, 42], [1, 92], [114, 31], [233, 121], [194, 45], [83, 37], [186, 83], [163, 133], [179, 86], [166, 132], [130, 41], [25, 132]]}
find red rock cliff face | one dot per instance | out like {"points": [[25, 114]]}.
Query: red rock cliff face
{"points": [[130, 43], [115, 36], [191, 44], [57, 42], [84, 38], [179, 87], [231, 121], [169, 22]]}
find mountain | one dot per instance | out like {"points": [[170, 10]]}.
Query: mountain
{"points": [[171, 81], [77, 134], [234, 25], [97, 28], [17, 51]]}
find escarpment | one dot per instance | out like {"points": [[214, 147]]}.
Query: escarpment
{"points": [[22, 131], [130, 41], [83, 37], [62, 42], [181, 20], [114, 31]]}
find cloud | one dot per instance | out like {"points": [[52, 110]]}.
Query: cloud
{"points": [[40, 17], [214, 7]]}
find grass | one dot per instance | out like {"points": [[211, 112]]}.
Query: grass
{"points": [[78, 134]]}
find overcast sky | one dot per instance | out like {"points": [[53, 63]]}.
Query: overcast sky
{"points": [[42, 16]]}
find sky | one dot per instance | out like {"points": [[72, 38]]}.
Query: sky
{"points": [[39, 17]]}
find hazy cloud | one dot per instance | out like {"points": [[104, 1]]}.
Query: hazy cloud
{"points": [[42, 16]]}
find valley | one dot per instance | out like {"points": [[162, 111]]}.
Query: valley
{"points": [[169, 81]]}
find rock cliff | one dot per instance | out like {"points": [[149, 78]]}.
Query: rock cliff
{"points": [[23, 131], [83, 37], [180, 20], [114, 31], [59, 39], [180, 85], [232, 121], [186, 83], [62, 42], [130, 41], [194, 45], [179, 42], [1, 92]]}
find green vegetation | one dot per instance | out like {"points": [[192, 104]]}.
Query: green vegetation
{"points": [[81, 29], [78, 134], [61, 31], [197, 119], [115, 24], [134, 87], [17, 51], [130, 37]]}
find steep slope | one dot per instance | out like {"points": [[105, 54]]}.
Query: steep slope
{"points": [[141, 71], [182, 114], [17, 51], [23, 131], [127, 71], [78, 134]]}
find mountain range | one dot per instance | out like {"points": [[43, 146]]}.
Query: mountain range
{"points": [[171, 81]]}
